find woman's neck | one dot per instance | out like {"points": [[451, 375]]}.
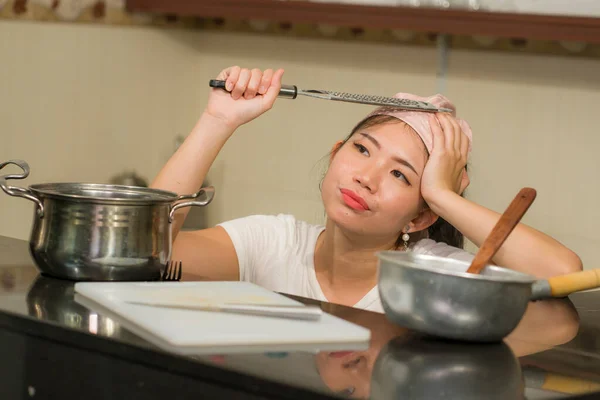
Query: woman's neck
{"points": [[346, 265]]}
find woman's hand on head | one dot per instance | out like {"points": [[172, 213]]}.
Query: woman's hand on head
{"points": [[445, 170], [249, 94]]}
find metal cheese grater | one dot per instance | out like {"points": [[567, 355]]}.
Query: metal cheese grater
{"points": [[291, 92]]}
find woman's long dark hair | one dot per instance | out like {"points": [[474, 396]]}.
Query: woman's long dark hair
{"points": [[441, 230]]}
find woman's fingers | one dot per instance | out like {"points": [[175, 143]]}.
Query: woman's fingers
{"points": [[256, 76], [246, 83], [230, 76], [458, 134], [241, 84], [273, 90], [448, 132], [265, 82], [438, 135]]}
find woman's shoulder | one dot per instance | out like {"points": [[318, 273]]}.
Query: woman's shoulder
{"points": [[440, 249], [280, 233], [274, 219], [277, 222]]}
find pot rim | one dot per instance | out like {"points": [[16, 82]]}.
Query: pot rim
{"points": [[435, 265], [119, 194]]}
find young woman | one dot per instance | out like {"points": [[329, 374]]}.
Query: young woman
{"points": [[394, 183]]}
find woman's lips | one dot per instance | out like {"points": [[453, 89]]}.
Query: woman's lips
{"points": [[353, 200], [340, 354]]}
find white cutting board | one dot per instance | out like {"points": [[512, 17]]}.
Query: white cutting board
{"points": [[202, 332]]}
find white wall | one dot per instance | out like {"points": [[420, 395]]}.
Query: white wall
{"points": [[122, 96], [85, 103]]}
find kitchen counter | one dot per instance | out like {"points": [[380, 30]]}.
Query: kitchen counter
{"points": [[53, 347]]}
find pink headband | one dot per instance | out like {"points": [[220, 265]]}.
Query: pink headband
{"points": [[419, 120]]}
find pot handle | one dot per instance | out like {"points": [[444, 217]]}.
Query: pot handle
{"points": [[208, 192], [19, 191], [564, 285]]}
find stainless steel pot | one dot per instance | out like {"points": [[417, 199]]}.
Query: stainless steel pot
{"points": [[98, 232], [436, 296], [52, 300]]}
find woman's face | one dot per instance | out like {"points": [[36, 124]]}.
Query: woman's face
{"points": [[350, 372], [347, 373], [373, 183]]}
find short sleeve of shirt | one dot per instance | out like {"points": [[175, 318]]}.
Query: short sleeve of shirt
{"points": [[260, 242]]}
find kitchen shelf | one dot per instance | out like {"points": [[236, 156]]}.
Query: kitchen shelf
{"points": [[430, 20]]}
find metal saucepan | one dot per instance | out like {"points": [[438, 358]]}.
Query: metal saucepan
{"points": [[436, 296], [97, 232]]}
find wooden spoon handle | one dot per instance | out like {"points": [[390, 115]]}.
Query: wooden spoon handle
{"points": [[505, 225], [564, 285]]}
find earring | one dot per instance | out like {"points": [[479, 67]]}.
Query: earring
{"points": [[405, 238]]}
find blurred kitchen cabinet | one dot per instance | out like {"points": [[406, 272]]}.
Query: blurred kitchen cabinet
{"points": [[402, 16]]}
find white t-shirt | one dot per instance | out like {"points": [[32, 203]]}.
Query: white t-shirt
{"points": [[277, 252]]}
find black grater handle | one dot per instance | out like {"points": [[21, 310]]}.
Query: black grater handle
{"points": [[217, 84], [287, 91]]}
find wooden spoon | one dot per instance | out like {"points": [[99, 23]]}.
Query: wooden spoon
{"points": [[505, 225]]}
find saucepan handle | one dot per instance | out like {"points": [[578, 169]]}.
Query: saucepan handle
{"points": [[208, 193], [286, 91], [19, 191], [564, 285]]}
